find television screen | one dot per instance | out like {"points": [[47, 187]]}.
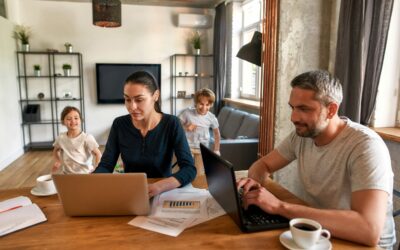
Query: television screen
{"points": [[110, 78]]}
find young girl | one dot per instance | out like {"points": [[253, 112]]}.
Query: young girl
{"points": [[197, 121], [73, 150]]}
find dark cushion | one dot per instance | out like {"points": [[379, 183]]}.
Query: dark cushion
{"points": [[249, 127], [223, 115], [232, 124]]}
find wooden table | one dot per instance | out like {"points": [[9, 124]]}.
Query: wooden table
{"points": [[62, 232]]}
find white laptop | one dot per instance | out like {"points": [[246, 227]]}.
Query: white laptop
{"points": [[103, 194]]}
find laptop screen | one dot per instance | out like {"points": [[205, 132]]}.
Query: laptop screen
{"points": [[221, 182]]}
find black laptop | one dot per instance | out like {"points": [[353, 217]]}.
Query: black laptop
{"points": [[222, 186]]}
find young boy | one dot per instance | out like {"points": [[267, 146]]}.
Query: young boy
{"points": [[198, 120]]}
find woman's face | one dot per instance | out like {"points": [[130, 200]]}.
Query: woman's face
{"points": [[139, 101]]}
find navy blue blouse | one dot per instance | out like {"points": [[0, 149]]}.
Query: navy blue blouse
{"points": [[151, 154]]}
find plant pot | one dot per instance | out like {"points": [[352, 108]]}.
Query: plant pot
{"points": [[37, 72], [196, 51], [67, 72], [25, 47], [68, 49]]}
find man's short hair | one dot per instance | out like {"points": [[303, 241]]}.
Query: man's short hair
{"points": [[204, 93], [326, 86]]}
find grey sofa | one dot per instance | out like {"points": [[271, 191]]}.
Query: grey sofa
{"points": [[239, 137]]}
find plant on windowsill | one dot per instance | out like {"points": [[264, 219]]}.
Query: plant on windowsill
{"points": [[36, 69], [67, 69], [23, 33]]}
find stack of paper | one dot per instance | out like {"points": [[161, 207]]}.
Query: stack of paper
{"points": [[175, 210], [18, 213]]}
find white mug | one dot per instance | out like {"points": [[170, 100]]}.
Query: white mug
{"points": [[45, 184], [306, 232]]}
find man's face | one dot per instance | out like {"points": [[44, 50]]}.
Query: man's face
{"points": [[309, 116]]}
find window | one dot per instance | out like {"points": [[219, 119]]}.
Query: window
{"points": [[249, 74], [387, 109]]}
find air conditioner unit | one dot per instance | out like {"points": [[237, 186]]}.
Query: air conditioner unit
{"points": [[194, 21]]}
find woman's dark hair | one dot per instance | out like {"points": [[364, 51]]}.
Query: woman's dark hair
{"points": [[149, 81]]}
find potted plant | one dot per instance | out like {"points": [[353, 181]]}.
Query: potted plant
{"points": [[67, 69], [196, 42], [36, 69], [23, 33], [68, 47]]}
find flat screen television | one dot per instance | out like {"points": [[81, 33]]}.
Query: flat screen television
{"points": [[110, 79]]}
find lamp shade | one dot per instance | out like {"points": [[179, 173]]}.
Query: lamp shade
{"points": [[251, 52], [107, 13]]}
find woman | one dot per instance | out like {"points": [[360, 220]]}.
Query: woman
{"points": [[146, 138]]}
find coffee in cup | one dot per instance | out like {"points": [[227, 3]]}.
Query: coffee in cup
{"points": [[307, 232]]}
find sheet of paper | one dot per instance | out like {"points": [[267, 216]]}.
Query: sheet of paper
{"points": [[213, 209], [179, 216], [169, 226], [187, 202]]}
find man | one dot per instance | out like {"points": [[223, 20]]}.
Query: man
{"points": [[344, 167]]}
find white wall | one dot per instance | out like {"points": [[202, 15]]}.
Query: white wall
{"points": [[11, 146], [148, 35]]}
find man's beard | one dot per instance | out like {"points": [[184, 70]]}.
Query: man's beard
{"points": [[314, 131]]}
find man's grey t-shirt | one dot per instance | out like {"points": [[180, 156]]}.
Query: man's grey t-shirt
{"points": [[357, 159]]}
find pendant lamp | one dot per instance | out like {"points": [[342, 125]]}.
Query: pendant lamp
{"points": [[107, 13], [251, 52]]}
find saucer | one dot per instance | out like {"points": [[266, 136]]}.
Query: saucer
{"points": [[287, 240], [34, 191]]}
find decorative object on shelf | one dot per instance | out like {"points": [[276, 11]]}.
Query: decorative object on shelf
{"points": [[68, 47], [40, 96], [180, 73], [196, 42], [251, 52], [181, 94], [196, 75], [107, 13], [67, 94], [36, 69], [186, 73], [31, 113], [67, 69], [23, 33]]}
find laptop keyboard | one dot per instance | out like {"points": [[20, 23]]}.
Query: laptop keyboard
{"points": [[256, 216]]}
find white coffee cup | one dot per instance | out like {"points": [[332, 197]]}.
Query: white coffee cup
{"points": [[306, 232], [45, 185]]}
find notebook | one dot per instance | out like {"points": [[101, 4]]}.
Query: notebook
{"points": [[103, 194], [222, 186], [18, 213]]}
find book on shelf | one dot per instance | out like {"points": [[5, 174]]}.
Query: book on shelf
{"points": [[18, 213]]}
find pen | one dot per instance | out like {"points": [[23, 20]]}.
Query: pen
{"points": [[12, 208]]}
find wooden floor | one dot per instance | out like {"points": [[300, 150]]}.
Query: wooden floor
{"points": [[24, 171]]}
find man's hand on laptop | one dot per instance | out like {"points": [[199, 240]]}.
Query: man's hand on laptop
{"points": [[262, 198], [255, 194]]}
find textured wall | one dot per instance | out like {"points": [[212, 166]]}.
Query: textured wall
{"points": [[304, 44]]}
